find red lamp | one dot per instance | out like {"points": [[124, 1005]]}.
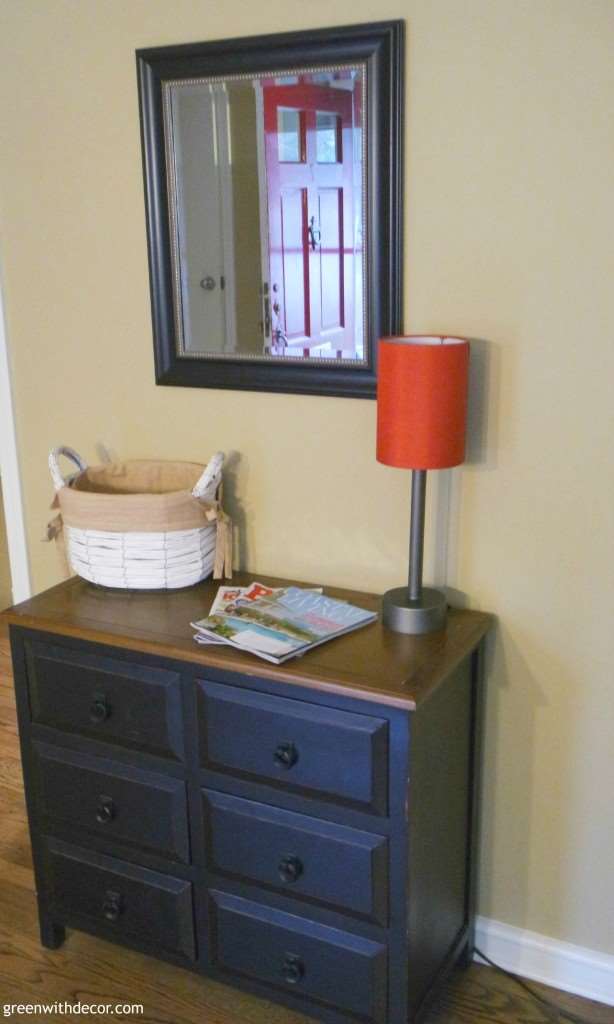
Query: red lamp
{"points": [[421, 422]]}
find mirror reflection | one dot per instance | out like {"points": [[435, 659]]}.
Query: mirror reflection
{"points": [[266, 201]]}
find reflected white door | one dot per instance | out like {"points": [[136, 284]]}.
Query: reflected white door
{"points": [[203, 154], [310, 180]]}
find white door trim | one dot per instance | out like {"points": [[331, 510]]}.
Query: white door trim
{"points": [[9, 472], [263, 196], [221, 105]]}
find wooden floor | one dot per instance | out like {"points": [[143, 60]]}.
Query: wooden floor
{"points": [[89, 970]]}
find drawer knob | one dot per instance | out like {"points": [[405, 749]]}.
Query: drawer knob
{"points": [[290, 868], [99, 710], [105, 811], [293, 969], [112, 905], [286, 755]]}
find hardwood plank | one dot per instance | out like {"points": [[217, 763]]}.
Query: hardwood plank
{"points": [[17, 876], [9, 733], [10, 772], [14, 834], [7, 699], [8, 714]]}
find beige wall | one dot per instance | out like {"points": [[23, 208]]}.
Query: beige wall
{"points": [[509, 220]]}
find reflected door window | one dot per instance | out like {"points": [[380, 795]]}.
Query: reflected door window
{"points": [[290, 136], [328, 138]]}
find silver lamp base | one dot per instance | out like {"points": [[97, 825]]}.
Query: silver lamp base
{"points": [[424, 615]]}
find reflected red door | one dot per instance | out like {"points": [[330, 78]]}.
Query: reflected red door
{"points": [[309, 151]]}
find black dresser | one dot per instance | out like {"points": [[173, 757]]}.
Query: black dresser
{"points": [[303, 831]]}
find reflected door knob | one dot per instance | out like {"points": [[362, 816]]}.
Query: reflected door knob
{"points": [[208, 283], [314, 234]]}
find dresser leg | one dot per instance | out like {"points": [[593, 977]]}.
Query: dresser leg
{"points": [[52, 934]]}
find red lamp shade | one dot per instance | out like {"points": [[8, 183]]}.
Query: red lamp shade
{"points": [[422, 401]]}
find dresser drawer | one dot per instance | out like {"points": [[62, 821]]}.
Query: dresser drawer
{"points": [[112, 701], [324, 965], [131, 902], [116, 802], [297, 855], [294, 744]]}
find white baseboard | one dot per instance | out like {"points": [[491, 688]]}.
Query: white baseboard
{"points": [[569, 968]]}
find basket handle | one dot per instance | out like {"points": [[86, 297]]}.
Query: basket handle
{"points": [[56, 474], [211, 479]]}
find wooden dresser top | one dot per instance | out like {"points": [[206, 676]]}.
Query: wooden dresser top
{"points": [[370, 663]]}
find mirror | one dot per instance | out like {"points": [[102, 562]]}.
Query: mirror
{"points": [[272, 182], [267, 258]]}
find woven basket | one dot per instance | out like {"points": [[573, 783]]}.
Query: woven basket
{"points": [[142, 525]]}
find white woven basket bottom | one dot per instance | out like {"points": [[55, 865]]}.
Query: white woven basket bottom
{"points": [[142, 561]]}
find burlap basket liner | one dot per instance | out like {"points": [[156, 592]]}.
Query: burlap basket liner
{"points": [[137, 497]]}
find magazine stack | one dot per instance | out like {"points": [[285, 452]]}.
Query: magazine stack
{"points": [[277, 624]]}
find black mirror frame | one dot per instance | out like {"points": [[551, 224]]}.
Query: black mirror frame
{"points": [[380, 46]]}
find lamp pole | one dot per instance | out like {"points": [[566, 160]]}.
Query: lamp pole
{"points": [[416, 533], [414, 608]]}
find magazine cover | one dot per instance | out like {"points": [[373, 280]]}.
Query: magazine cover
{"points": [[278, 624]]}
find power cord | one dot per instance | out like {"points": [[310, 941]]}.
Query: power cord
{"points": [[551, 1007]]}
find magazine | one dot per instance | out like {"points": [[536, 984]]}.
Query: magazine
{"points": [[277, 624], [226, 596]]}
